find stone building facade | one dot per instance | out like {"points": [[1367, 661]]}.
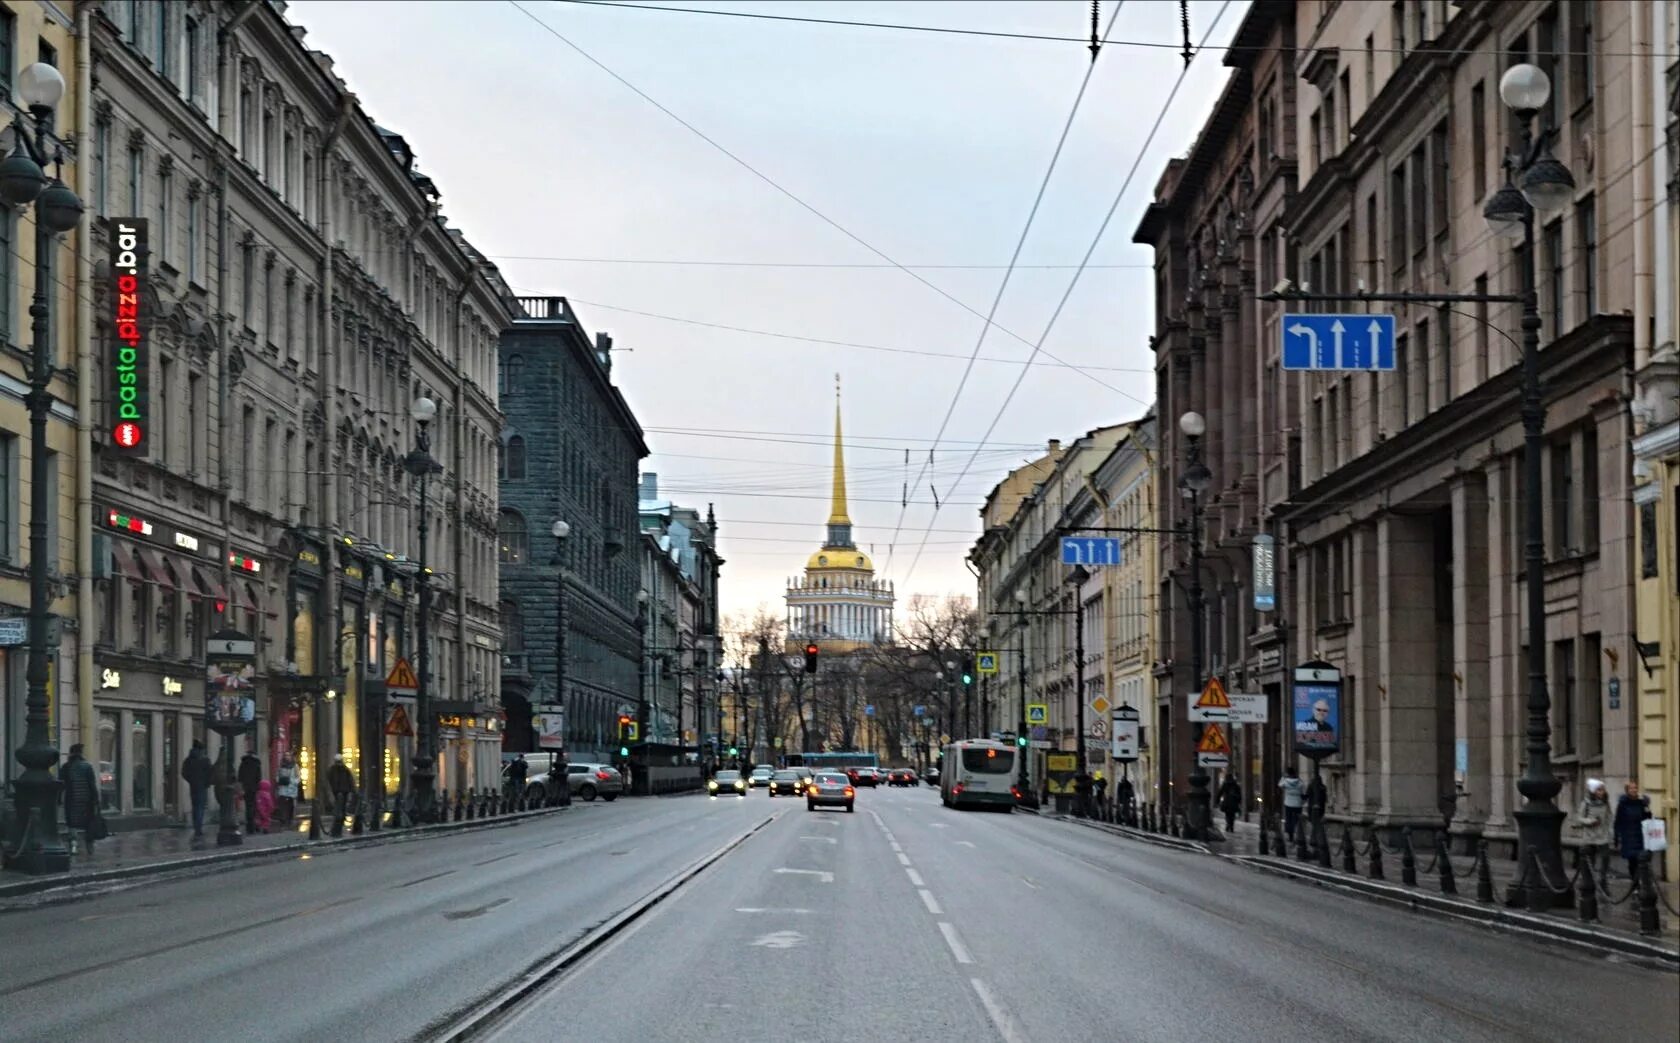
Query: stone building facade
{"points": [[569, 452], [1405, 535], [306, 290], [680, 566]]}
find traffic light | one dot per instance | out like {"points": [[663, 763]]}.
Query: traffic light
{"points": [[626, 733], [1020, 740], [733, 752], [811, 658], [968, 678]]}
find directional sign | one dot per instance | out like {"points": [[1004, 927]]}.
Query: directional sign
{"points": [[1091, 550], [1213, 751], [1040, 732], [1338, 342], [986, 662], [1248, 708], [1038, 713], [1212, 704], [401, 678], [920, 711], [869, 709]]}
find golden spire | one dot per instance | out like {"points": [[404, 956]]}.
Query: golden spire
{"points": [[837, 511]]}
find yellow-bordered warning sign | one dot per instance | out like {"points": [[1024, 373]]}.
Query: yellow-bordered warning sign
{"points": [[1213, 751], [402, 677], [397, 723]]}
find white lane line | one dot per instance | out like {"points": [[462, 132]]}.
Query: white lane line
{"points": [[940, 825], [1029, 883], [755, 909], [1002, 1019], [903, 859], [895, 847], [927, 900], [915, 877], [965, 843], [958, 949], [822, 875], [827, 840]]}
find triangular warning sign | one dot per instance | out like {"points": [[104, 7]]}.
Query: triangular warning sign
{"points": [[398, 724], [402, 676], [1213, 696], [1213, 739]]}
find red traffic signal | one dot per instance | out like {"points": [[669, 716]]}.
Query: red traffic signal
{"points": [[811, 658]]}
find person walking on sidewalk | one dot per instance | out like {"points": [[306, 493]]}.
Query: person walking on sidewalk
{"points": [[1101, 786], [1631, 810], [517, 772], [1230, 801], [250, 774], [286, 789], [81, 797], [196, 773], [343, 786], [1593, 820], [1293, 798]]}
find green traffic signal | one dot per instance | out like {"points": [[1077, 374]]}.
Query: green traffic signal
{"points": [[624, 751], [733, 752], [968, 679], [1020, 740]]}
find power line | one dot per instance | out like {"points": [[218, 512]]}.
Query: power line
{"points": [[768, 180], [1096, 239], [677, 263], [999, 34], [1003, 284]]}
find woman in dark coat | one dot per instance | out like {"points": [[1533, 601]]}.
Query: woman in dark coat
{"points": [[1230, 801], [81, 794], [1631, 810]]}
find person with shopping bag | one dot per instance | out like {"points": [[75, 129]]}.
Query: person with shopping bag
{"points": [[1631, 811]]}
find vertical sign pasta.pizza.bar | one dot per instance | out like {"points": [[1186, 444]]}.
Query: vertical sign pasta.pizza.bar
{"points": [[130, 402]]}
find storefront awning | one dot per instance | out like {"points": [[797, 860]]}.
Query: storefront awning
{"points": [[209, 584], [123, 555], [155, 572]]}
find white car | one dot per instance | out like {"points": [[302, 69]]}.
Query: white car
{"points": [[761, 775]]}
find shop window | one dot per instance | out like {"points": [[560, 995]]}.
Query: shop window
{"points": [[139, 613], [109, 761], [140, 758]]}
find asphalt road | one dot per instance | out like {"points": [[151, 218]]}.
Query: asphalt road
{"points": [[908, 921], [368, 943]]}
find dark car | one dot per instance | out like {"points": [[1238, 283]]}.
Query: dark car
{"points": [[829, 789], [725, 783], [863, 776], [901, 777], [931, 776], [787, 781]]}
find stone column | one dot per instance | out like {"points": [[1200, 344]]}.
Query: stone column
{"points": [[1365, 666], [1472, 678], [1505, 680], [1406, 683]]}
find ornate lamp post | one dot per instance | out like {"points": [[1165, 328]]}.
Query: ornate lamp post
{"points": [[34, 845], [1536, 182], [1022, 740], [1191, 484], [559, 790], [423, 775]]}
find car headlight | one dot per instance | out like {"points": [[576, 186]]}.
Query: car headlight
{"points": [[711, 786], [740, 785]]}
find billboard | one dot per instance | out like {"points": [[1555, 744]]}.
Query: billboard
{"points": [[1316, 716]]}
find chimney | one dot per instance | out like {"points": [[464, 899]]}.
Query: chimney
{"points": [[603, 349], [1055, 446], [650, 486]]}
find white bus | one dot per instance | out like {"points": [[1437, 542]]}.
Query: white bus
{"points": [[978, 772]]}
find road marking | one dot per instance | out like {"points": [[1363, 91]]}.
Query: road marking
{"points": [[893, 845], [822, 840], [915, 877], [1002, 1019], [927, 900], [780, 940], [1029, 883], [903, 859], [965, 843], [958, 950], [825, 877], [940, 825], [755, 909]]}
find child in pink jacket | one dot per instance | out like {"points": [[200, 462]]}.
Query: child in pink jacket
{"points": [[265, 804]]}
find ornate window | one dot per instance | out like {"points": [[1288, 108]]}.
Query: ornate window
{"points": [[512, 538], [513, 458]]}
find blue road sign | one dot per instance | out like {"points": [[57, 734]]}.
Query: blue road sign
{"points": [[1091, 550], [869, 709], [1338, 342], [921, 711]]}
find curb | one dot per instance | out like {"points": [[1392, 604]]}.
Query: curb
{"points": [[72, 886], [1175, 843], [1575, 934]]}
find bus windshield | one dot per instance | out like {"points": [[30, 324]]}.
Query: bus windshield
{"points": [[987, 761]]}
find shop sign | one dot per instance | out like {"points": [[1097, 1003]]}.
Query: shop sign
{"points": [[128, 523], [185, 542], [14, 631], [109, 678], [354, 572], [309, 557], [130, 398], [240, 561], [171, 686]]}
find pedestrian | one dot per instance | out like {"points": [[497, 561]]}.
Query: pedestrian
{"points": [[286, 789], [250, 774], [1124, 796], [1593, 820], [1631, 810], [1230, 801], [265, 805], [1101, 786], [196, 772], [517, 772], [343, 786], [81, 797], [1082, 794], [1293, 798]]}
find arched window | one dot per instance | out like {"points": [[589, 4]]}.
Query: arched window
{"points": [[513, 627], [512, 372], [512, 538], [514, 457]]}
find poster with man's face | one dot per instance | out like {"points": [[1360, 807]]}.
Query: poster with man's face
{"points": [[1317, 719]]}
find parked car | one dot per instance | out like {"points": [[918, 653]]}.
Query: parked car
{"points": [[587, 781]]}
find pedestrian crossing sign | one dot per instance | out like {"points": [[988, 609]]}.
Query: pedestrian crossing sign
{"points": [[986, 662], [1038, 713]]}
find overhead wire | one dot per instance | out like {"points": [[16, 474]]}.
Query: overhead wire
{"points": [[1096, 239], [689, 263]]}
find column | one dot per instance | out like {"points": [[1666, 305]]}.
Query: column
{"points": [[1407, 717], [1471, 702], [1365, 665], [1505, 666]]}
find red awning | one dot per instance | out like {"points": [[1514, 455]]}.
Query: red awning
{"points": [[209, 584], [155, 572], [123, 555]]}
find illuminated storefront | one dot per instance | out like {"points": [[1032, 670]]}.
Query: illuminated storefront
{"points": [[469, 748]]}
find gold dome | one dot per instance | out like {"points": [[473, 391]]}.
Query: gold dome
{"points": [[839, 558]]}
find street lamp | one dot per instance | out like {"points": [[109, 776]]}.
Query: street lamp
{"points": [[1535, 182], [1076, 578], [1022, 746], [34, 845], [1192, 484], [558, 790], [422, 775], [641, 665]]}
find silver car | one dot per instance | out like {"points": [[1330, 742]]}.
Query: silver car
{"points": [[587, 781], [829, 789]]}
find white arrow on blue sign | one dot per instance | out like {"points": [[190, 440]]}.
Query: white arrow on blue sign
{"points": [[1088, 550], [1338, 342]]}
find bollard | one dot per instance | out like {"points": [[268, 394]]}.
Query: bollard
{"points": [[1443, 860], [1588, 894], [315, 820], [1280, 840], [1265, 844], [1302, 854], [1321, 844], [1175, 826], [1375, 869], [378, 814], [1484, 874], [357, 826], [1408, 858], [472, 804], [1649, 921], [338, 823], [1349, 864]]}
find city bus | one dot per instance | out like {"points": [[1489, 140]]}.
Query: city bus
{"points": [[838, 760], [978, 773]]}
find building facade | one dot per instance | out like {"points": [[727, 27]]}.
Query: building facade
{"points": [[1405, 537], [569, 453], [1218, 230], [305, 292], [680, 577], [40, 32], [838, 603]]}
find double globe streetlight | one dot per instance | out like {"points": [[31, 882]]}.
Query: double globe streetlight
{"points": [[1191, 485], [423, 774], [33, 844]]}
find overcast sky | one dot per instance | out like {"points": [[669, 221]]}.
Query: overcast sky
{"points": [[928, 146]]}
